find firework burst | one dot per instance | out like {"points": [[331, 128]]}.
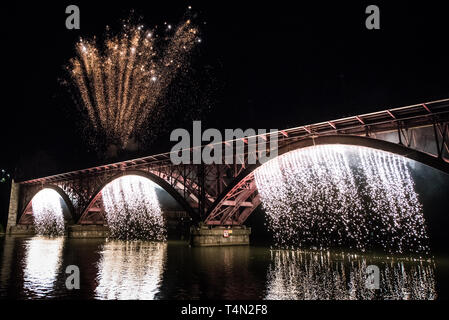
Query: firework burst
{"points": [[121, 83]]}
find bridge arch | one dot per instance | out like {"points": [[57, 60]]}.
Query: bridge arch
{"points": [[93, 201], [241, 197], [26, 214]]}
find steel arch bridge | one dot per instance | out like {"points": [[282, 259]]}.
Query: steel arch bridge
{"points": [[223, 194]]}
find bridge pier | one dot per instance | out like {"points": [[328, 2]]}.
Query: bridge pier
{"points": [[87, 231], [14, 199], [21, 230], [208, 236]]}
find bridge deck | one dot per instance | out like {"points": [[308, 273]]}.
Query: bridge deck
{"points": [[423, 114]]}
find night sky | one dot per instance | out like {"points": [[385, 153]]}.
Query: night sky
{"points": [[259, 66]]}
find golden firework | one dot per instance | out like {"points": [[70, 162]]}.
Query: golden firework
{"points": [[121, 83]]}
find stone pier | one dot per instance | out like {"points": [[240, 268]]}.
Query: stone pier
{"points": [[204, 236], [87, 231], [22, 230], [13, 206]]}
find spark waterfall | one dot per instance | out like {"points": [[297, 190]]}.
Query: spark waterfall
{"points": [[342, 196], [132, 209], [48, 213]]}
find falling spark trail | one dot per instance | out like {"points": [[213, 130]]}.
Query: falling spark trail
{"points": [[47, 213], [342, 196], [132, 209]]}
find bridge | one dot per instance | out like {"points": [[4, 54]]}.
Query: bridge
{"points": [[226, 194]]}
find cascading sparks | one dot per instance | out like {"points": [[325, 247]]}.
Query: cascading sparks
{"points": [[132, 209], [121, 85], [47, 213], [342, 196]]}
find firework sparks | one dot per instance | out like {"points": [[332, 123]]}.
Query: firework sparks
{"points": [[132, 209], [335, 196], [48, 213], [122, 83]]}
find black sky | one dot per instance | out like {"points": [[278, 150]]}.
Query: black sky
{"points": [[268, 65]]}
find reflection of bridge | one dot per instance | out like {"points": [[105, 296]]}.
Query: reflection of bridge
{"points": [[222, 194]]}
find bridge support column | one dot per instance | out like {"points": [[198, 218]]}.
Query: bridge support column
{"points": [[208, 236], [87, 231], [13, 206]]}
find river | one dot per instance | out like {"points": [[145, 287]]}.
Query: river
{"points": [[35, 268]]}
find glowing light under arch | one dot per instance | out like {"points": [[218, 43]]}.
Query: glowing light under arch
{"points": [[48, 213]]}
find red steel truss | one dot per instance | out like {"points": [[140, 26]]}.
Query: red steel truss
{"points": [[225, 194]]}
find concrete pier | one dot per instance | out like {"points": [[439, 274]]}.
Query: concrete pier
{"points": [[21, 230], [87, 231], [206, 236], [73, 231], [13, 206], [200, 236]]}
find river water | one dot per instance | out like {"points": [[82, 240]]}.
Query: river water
{"points": [[34, 268]]}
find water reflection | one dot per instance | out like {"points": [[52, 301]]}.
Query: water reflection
{"points": [[300, 275], [42, 263], [229, 273], [6, 262], [130, 270], [33, 268]]}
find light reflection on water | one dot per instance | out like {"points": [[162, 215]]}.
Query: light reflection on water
{"points": [[302, 275], [42, 264], [35, 268], [130, 270]]}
